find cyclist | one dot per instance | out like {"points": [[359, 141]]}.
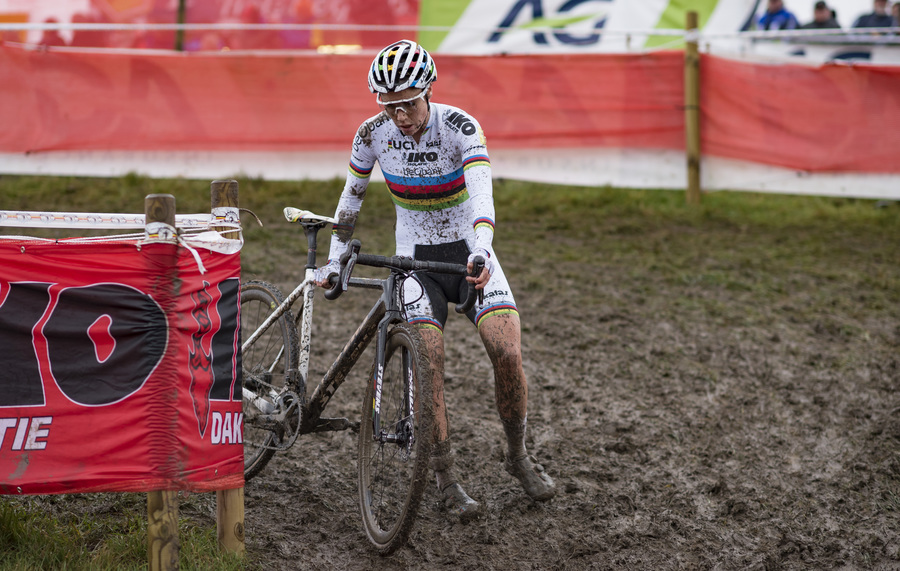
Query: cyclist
{"points": [[435, 162]]}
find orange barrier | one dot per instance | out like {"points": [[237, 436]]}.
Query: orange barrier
{"points": [[65, 100], [819, 119], [832, 118]]}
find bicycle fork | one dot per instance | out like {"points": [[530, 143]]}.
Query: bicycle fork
{"points": [[402, 433]]}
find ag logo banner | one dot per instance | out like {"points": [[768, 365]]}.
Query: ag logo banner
{"points": [[568, 26]]}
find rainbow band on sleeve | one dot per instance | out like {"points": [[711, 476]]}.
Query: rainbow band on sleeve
{"points": [[360, 173], [476, 161], [427, 323], [496, 309], [483, 222], [337, 229]]}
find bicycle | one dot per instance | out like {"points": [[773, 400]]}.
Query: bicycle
{"points": [[395, 430]]}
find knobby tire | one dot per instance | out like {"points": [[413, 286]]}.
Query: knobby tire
{"points": [[392, 476], [264, 371]]}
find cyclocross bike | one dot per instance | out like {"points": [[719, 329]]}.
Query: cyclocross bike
{"points": [[395, 432]]}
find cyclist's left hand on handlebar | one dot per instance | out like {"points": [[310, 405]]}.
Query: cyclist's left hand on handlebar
{"points": [[481, 280]]}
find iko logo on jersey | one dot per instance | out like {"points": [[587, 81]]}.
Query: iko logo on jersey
{"points": [[459, 122], [418, 158]]}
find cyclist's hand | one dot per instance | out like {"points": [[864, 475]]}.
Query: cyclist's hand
{"points": [[332, 268], [482, 280]]}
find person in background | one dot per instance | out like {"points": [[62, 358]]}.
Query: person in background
{"points": [[895, 12], [878, 18], [823, 17], [777, 18], [51, 38]]}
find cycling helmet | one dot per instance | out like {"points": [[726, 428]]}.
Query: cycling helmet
{"points": [[401, 65]]}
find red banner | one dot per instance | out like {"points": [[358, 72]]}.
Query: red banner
{"points": [[836, 117], [832, 118], [94, 101], [120, 369]]}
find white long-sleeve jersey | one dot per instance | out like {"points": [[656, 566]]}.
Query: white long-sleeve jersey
{"points": [[440, 186]]}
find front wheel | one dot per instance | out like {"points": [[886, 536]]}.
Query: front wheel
{"points": [[271, 384], [393, 456]]}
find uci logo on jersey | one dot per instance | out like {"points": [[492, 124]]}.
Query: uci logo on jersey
{"points": [[401, 145], [459, 122]]}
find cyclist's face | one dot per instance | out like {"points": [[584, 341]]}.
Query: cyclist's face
{"points": [[410, 112]]}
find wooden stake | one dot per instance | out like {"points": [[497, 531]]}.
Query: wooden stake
{"points": [[229, 503], [162, 530], [224, 199], [692, 109], [230, 520], [159, 216]]}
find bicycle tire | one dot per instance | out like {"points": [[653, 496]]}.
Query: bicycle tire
{"points": [[393, 475], [269, 362]]}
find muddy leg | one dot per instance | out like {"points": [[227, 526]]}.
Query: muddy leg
{"points": [[502, 338], [441, 461]]}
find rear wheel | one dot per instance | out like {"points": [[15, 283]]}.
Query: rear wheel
{"points": [[393, 456], [271, 383]]}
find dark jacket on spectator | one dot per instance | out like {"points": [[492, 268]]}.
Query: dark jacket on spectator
{"points": [[874, 20]]}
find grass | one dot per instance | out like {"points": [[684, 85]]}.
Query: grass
{"points": [[762, 247], [99, 532]]}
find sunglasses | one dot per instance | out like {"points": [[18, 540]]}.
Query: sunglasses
{"points": [[405, 105]]}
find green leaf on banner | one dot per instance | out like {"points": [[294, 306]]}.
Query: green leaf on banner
{"points": [[439, 13], [673, 18]]}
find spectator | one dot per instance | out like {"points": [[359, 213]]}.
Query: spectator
{"points": [[51, 38], [895, 12], [878, 18], [777, 18], [822, 18]]}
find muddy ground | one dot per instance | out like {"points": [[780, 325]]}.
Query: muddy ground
{"points": [[699, 408]]}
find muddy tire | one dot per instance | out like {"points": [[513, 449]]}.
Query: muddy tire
{"points": [[393, 458], [268, 370]]}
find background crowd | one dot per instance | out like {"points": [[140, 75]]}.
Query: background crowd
{"points": [[777, 17]]}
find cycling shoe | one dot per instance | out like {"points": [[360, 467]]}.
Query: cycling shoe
{"points": [[531, 475], [458, 502]]}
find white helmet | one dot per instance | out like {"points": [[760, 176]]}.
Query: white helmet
{"points": [[401, 65]]}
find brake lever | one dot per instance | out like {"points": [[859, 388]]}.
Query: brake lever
{"points": [[473, 294], [348, 262]]}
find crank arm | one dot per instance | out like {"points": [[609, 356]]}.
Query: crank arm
{"points": [[336, 424]]}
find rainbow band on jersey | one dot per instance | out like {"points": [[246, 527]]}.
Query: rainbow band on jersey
{"points": [[483, 222], [360, 173], [428, 193], [338, 229], [496, 309], [427, 323], [476, 161]]}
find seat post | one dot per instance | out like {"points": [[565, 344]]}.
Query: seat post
{"points": [[311, 230]]}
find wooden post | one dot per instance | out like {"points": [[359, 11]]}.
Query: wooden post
{"points": [[162, 530], [162, 505], [159, 217], [692, 108], [230, 520], [224, 199], [179, 33], [229, 503]]}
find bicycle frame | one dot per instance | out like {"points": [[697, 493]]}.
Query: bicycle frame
{"points": [[395, 441], [384, 313]]}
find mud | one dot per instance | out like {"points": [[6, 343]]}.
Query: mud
{"points": [[689, 423]]}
